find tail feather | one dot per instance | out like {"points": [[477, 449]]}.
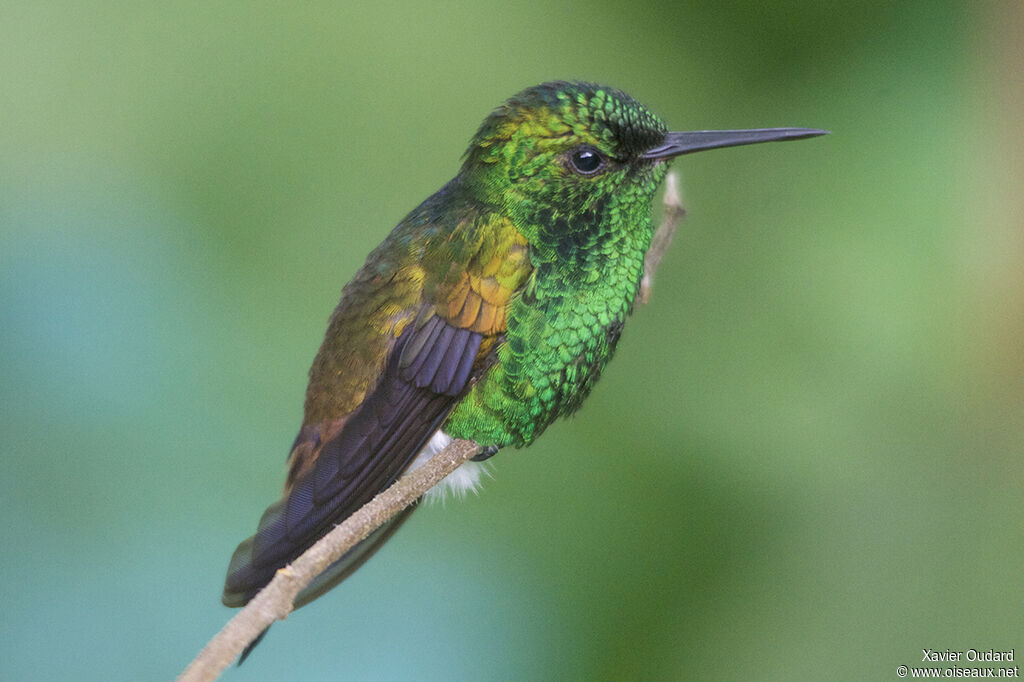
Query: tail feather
{"points": [[252, 645], [335, 573]]}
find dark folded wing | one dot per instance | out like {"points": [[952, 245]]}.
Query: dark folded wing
{"points": [[426, 371]]}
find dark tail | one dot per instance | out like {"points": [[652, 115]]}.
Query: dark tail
{"points": [[335, 573], [252, 645]]}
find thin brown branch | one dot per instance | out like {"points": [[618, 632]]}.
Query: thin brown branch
{"points": [[274, 602], [670, 219]]}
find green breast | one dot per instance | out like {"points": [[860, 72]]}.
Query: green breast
{"points": [[561, 331]]}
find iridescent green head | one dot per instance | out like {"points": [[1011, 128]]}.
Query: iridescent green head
{"points": [[566, 145], [558, 115]]}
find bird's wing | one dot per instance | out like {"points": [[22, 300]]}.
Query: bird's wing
{"points": [[434, 352]]}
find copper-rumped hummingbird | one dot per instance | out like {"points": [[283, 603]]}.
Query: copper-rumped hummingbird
{"points": [[488, 312]]}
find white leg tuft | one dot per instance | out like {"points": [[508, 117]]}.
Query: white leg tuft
{"points": [[461, 481]]}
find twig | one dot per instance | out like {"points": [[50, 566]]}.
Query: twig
{"points": [[274, 602], [670, 219]]}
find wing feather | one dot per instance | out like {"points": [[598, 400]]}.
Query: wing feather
{"points": [[401, 349], [426, 371]]}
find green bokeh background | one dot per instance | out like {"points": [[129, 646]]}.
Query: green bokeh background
{"points": [[805, 462]]}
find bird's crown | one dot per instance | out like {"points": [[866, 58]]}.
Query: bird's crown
{"points": [[561, 114]]}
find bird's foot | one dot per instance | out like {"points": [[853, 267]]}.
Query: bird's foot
{"points": [[488, 452]]}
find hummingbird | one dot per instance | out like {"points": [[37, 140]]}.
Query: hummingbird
{"points": [[487, 313]]}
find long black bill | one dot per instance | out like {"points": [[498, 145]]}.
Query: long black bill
{"points": [[676, 144]]}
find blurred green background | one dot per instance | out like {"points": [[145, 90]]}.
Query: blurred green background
{"points": [[805, 462]]}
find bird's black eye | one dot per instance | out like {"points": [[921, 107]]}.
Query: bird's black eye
{"points": [[586, 160]]}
